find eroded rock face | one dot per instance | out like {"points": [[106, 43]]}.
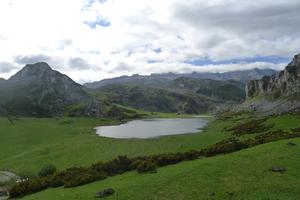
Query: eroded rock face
{"points": [[283, 84], [275, 94]]}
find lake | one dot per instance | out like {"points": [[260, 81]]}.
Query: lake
{"points": [[149, 128]]}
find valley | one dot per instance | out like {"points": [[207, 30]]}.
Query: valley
{"points": [[53, 133]]}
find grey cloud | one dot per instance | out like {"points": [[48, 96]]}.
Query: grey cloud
{"points": [[122, 67], [6, 67], [55, 62], [65, 43], [79, 63], [273, 17], [30, 59]]}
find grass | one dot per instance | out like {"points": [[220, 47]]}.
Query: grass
{"points": [[31, 143], [240, 175]]}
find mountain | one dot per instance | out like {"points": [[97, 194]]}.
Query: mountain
{"points": [[277, 93], [182, 95], [40, 91], [158, 79], [154, 99]]}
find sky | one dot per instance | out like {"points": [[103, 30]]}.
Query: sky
{"points": [[91, 40]]}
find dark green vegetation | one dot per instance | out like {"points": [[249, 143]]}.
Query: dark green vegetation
{"points": [[47, 170], [182, 95]]}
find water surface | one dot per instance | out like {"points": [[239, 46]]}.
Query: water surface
{"points": [[148, 128]]}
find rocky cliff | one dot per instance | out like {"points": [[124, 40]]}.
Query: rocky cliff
{"points": [[40, 91], [283, 84], [277, 93]]}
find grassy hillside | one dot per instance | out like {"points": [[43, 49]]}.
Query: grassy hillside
{"points": [[184, 95], [154, 98], [32, 143], [240, 175]]}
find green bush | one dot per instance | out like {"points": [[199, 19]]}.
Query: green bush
{"points": [[143, 166], [47, 170]]}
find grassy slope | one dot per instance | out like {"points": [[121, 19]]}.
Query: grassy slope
{"points": [[245, 174], [32, 143]]}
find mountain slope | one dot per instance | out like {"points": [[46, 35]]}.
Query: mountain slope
{"points": [[40, 91], [182, 95], [154, 99], [158, 79], [277, 93]]}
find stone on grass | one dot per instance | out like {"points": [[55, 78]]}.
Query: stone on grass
{"points": [[291, 144], [278, 169], [105, 193]]}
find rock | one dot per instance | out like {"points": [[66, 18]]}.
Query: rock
{"points": [[230, 193], [3, 192], [291, 144], [276, 94], [278, 169], [105, 193]]}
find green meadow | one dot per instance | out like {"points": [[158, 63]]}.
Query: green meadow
{"points": [[240, 175], [32, 143]]}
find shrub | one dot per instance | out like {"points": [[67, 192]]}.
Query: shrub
{"points": [[251, 127], [47, 170], [144, 166]]}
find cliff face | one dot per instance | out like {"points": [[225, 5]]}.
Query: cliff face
{"points": [[275, 94], [283, 84]]}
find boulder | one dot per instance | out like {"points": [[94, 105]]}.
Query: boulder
{"points": [[105, 193], [278, 169]]}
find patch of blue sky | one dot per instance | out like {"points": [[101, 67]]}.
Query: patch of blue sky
{"points": [[100, 21], [268, 59]]}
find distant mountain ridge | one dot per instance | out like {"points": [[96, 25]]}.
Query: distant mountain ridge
{"points": [[157, 79], [182, 95], [40, 91]]}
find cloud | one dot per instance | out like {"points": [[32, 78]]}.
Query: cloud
{"points": [[6, 67], [79, 63], [104, 38], [32, 59]]}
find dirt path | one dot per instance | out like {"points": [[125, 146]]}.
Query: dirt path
{"points": [[5, 177]]}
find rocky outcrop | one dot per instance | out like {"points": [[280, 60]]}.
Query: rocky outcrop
{"points": [[277, 93], [39, 90], [283, 84]]}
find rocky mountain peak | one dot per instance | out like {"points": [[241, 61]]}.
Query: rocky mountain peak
{"points": [[294, 66], [33, 72], [280, 91], [38, 90]]}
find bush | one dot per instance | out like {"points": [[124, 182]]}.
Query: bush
{"points": [[251, 127], [143, 166], [47, 170]]}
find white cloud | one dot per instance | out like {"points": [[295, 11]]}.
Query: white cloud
{"points": [[60, 32]]}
